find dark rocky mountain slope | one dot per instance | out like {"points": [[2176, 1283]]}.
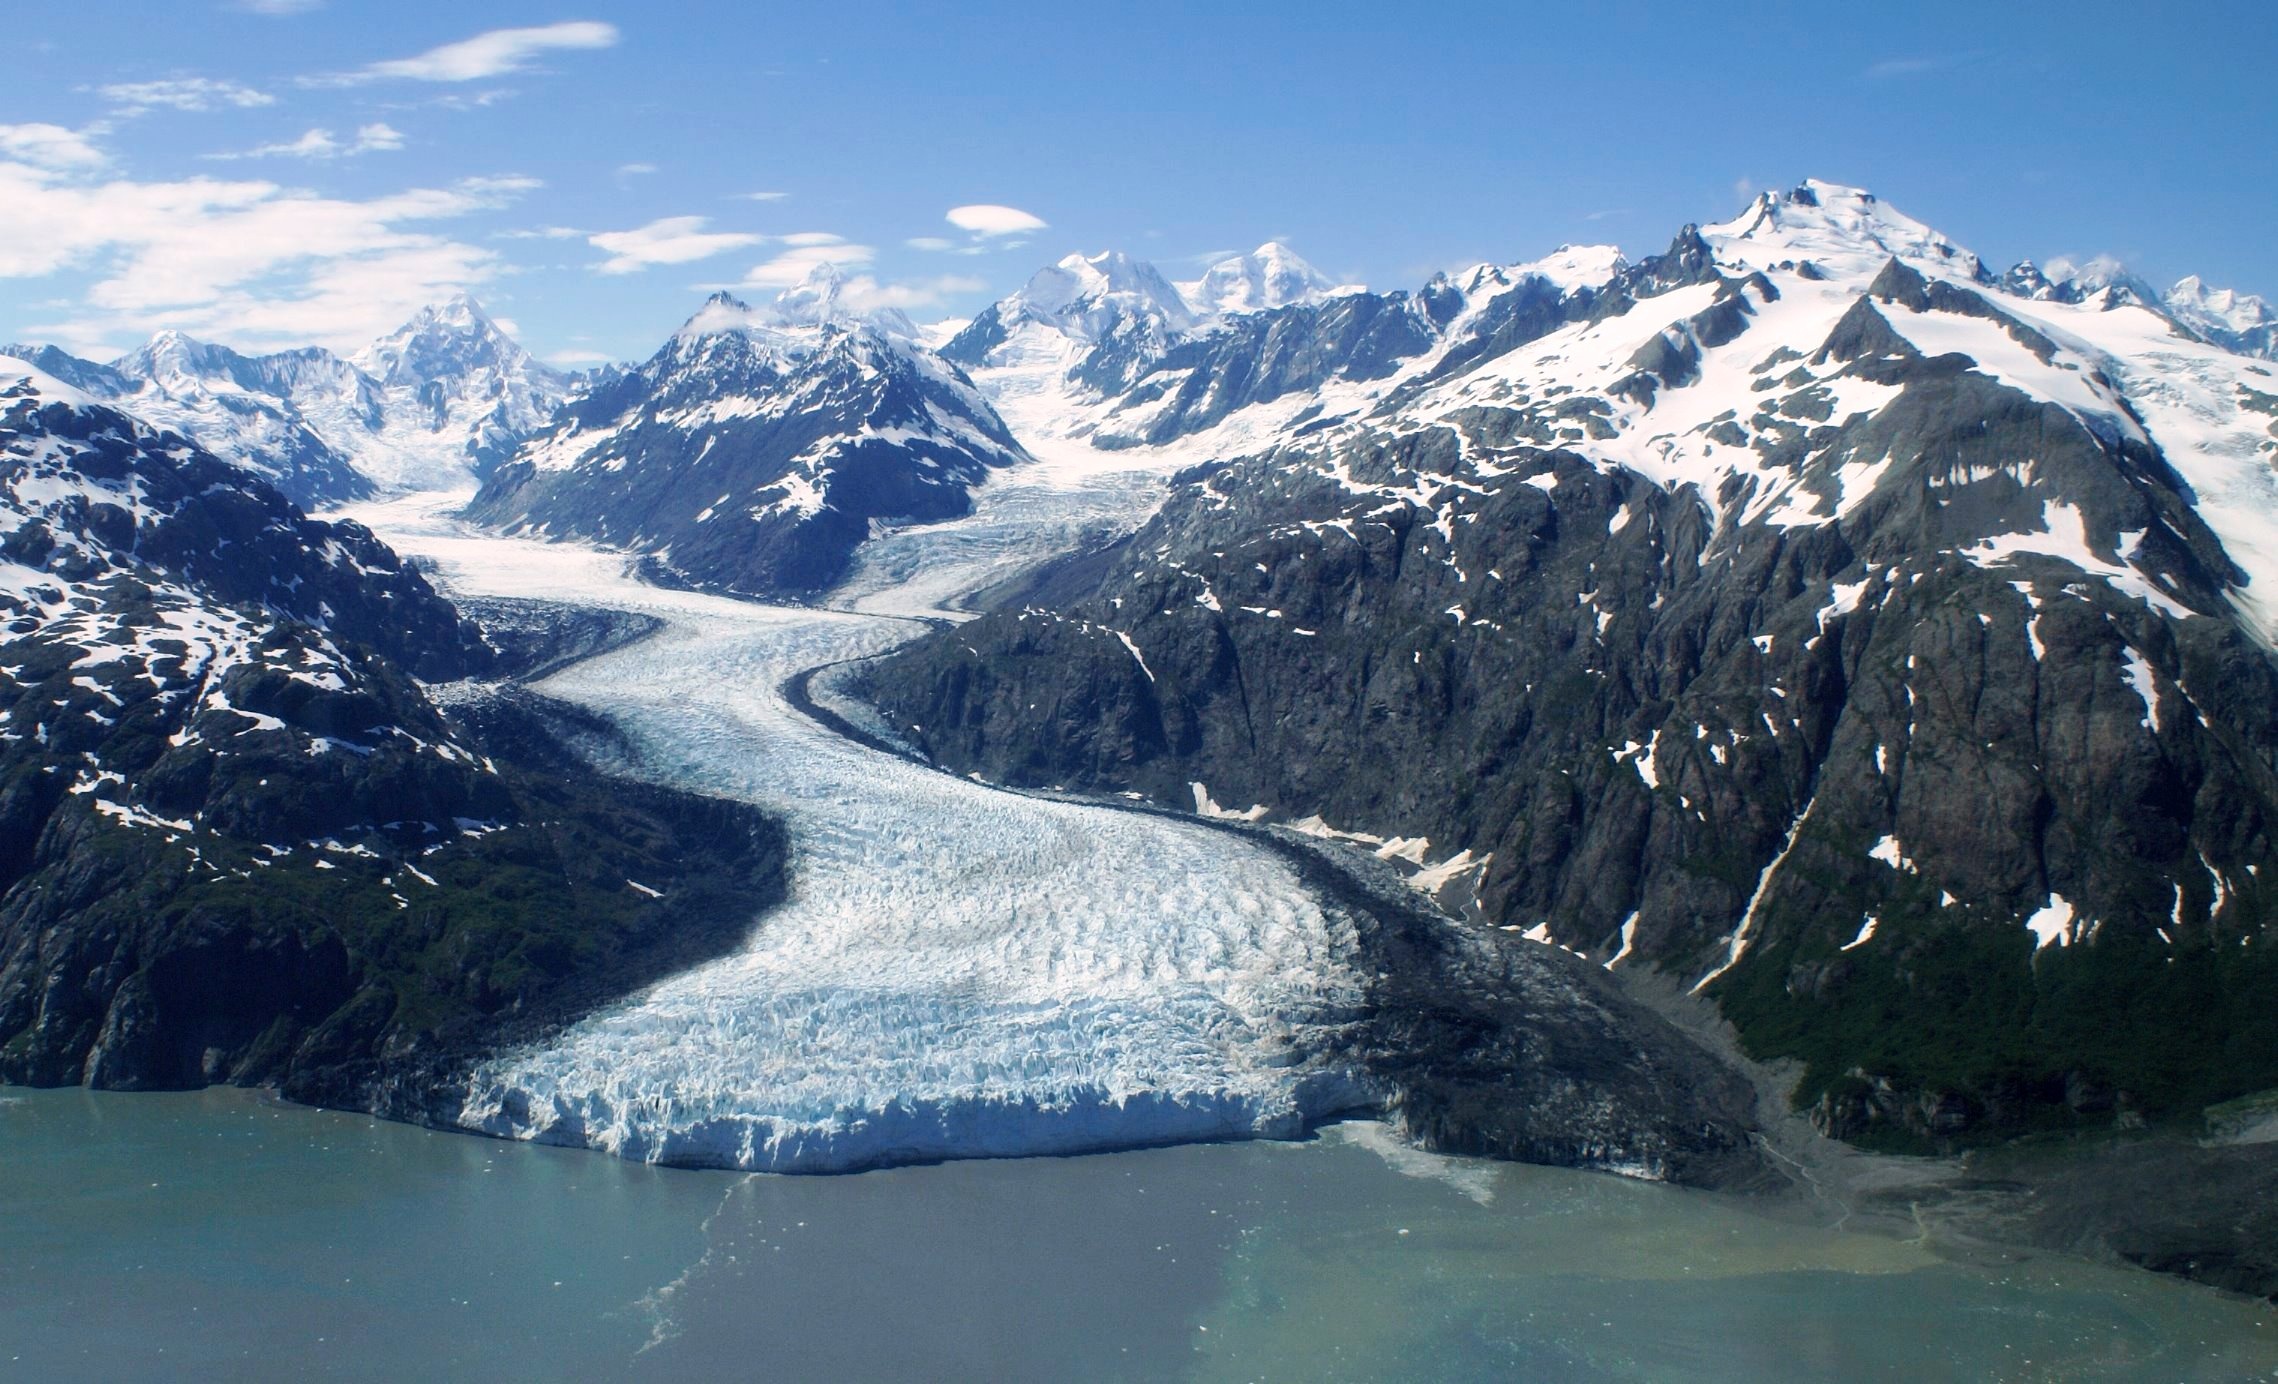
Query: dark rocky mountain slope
{"points": [[1797, 613], [240, 841]]}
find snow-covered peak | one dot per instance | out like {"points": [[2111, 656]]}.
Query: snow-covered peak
{"points": [[826, 298], [793, 320], [2102, 279], [1271, 276], [179, 362], [2235, 321], [2233, 309], [1846, 231], [446, 340], [1086, 296], [1567, 268]]}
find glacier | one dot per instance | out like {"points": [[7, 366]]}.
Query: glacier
{"points": [[959, 970]]}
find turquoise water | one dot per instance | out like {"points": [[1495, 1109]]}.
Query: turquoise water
{"points": [[214, 1235]]}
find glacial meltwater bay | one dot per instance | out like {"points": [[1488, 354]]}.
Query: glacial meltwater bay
{"points": [[210, 1235]]}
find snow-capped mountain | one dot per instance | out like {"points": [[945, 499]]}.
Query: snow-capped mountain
{"points": [[2235, 321], [757, 448], [454, 375], [1271, 276], [238, 839], [426, 407], [1101, 322], [245, 408], [1877, 645], [2240, 323], [2103, 281]]}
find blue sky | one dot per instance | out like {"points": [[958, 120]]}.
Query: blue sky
{"points": [[267, 172]]}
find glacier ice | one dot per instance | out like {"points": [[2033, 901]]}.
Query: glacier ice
{"points": [[958, 970]]}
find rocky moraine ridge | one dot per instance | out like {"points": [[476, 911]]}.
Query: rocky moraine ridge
{"points": [[1879, 646], [253, 830]]}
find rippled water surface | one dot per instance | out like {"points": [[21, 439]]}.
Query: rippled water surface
{"points": [[210, 1235]]}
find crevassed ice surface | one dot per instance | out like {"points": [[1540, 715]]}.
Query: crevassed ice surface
{"points": [[959, 971]]}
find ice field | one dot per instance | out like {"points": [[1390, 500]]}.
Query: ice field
{"points": [[958, 971]]}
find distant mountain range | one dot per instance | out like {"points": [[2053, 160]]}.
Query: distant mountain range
{"points": [[446, 396]]}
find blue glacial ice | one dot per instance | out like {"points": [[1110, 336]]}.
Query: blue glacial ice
{"points": [[958, 971]]}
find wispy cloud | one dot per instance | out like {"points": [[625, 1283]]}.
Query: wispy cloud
{"points": [[865, 294], [1890, 69], [761, 196], [1606, 214], [671, 240], [543, 233], [279, 8], [496, 53], [988, 219], [800, 256], [247, 261], [50, 146], [323, 144], [183, 94]]}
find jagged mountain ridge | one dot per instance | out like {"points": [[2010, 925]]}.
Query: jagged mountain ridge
{"points": [[1132, 377], [240, 841], [444, 397], [1796, 611], [757, 448]]}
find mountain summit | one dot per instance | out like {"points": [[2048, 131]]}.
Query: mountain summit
{"points": [[1271, 276]]}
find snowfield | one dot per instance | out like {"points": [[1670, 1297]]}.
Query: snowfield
{"points": [[958, 971]]}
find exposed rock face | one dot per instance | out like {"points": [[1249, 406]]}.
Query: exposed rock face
{"points": [[1794, 612], [1488, 1044], [239, 843], [755, 450]]}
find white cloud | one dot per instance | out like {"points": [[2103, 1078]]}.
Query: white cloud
{"points": [[761, 196], [50, 146], [241, 260], [183, 94], [865, 294], [321, 144], [492, 54], [572, 359], [672, 240], [989, 219], [279, 7], [544, 233], [795, 263], [930, 242]]}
